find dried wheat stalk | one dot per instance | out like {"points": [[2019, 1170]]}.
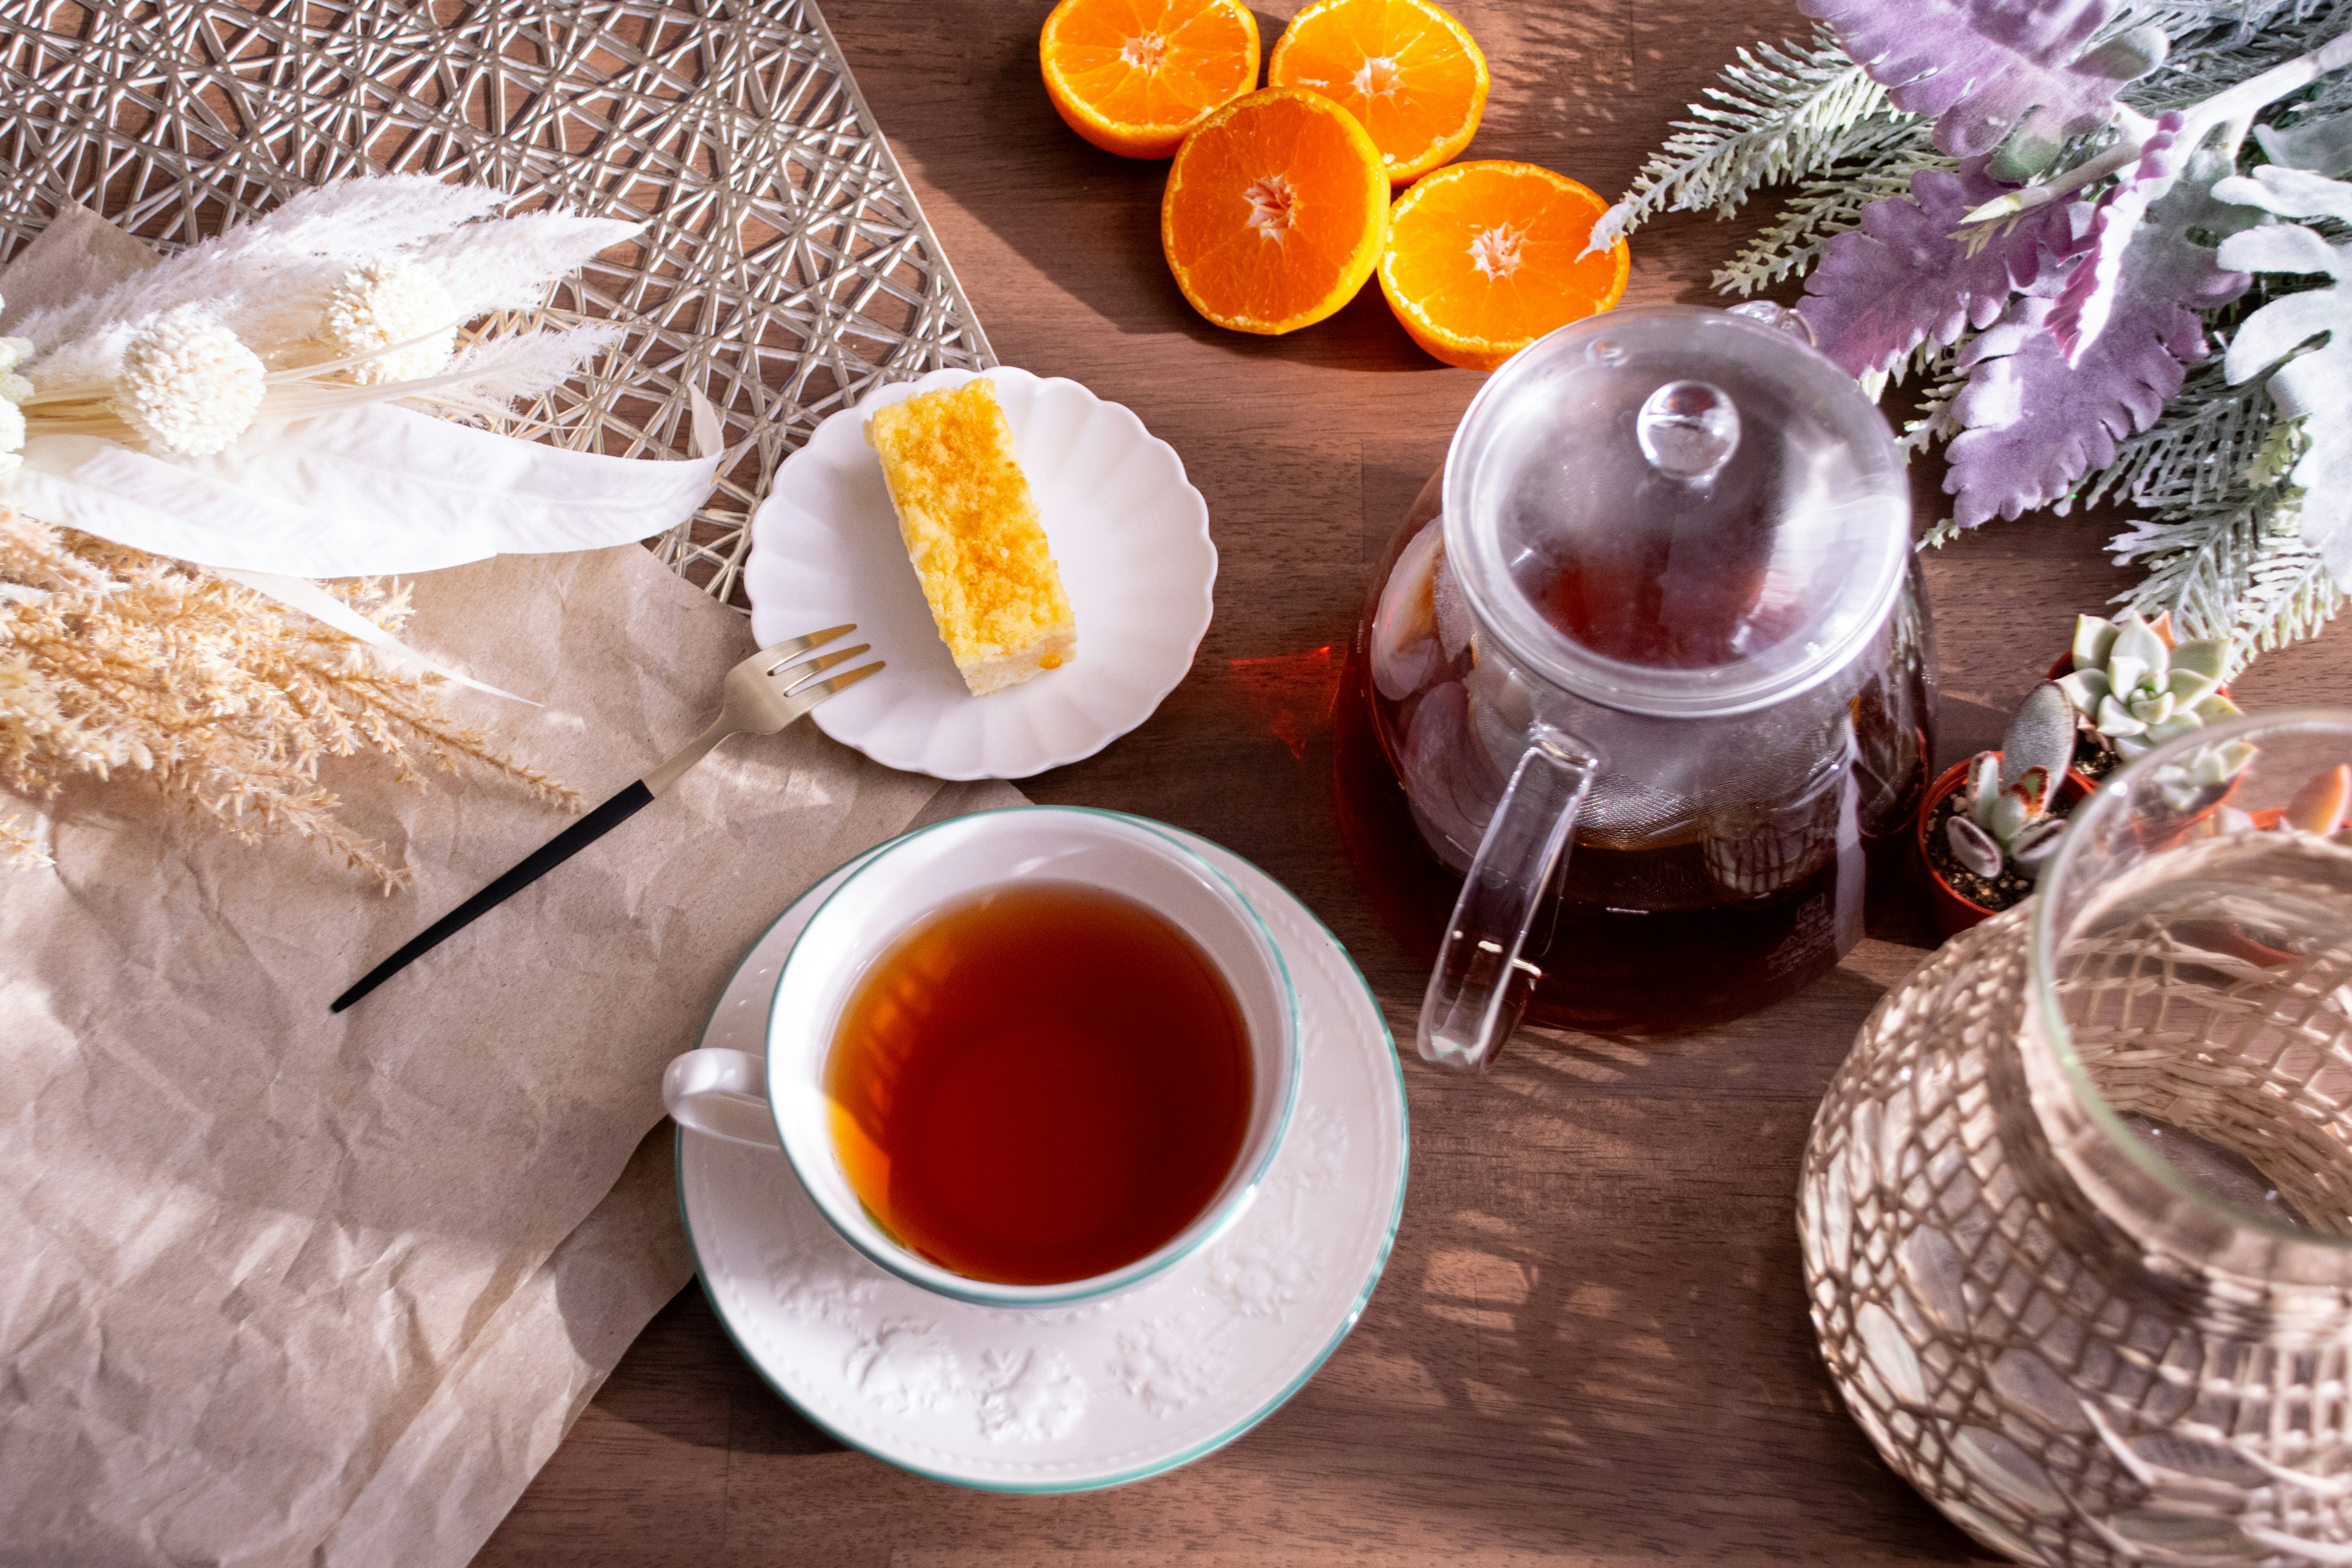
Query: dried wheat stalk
{"points": [[20, 846], [116, 661]]}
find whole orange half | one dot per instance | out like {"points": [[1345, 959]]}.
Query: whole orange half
{"points": [[1275, 211], [1135, 77], [1484, 257], [1407, 70]]}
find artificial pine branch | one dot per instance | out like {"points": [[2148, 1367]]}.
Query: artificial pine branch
{"points": [[2197, 456], [2217, 44], [1933, 424], [2240, 575], [2222, 543], [2235, 567], [1784, 112], [1888, 150]]}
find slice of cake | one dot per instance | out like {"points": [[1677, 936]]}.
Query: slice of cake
{"points": [[970, 528]]}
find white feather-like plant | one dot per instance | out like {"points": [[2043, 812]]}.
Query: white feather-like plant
{"points": [[141, 425], [264, 279]]}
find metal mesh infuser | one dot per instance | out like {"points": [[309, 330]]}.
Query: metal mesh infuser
{"points": [[785, 267]]}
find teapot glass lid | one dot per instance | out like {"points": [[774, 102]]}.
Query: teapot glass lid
{"points": [[1676, 511]]}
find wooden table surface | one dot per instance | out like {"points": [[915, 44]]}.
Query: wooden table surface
{"points": [[1591, 1343]]}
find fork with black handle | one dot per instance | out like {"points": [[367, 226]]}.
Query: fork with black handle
{"points": [[762, 694]]}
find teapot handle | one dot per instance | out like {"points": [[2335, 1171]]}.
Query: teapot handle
{"points": [[1481, 984]]}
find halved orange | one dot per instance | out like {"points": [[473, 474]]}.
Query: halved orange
{"points": [[1484, 257], [1275, 211], [1134, 77], [1407, 70]]}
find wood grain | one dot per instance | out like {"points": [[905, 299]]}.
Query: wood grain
{"points": [[1591, 1345]]}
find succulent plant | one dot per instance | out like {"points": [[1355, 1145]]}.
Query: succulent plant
{"points": [[2135, 688], [2193, 781], [2006, 816], [2322, 806]]}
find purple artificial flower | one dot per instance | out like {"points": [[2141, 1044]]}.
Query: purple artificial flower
{"points": [[2036, 420], [1985, 67], [2085, 303], [1902, 277]]}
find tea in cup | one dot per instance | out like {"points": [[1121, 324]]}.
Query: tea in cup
{"points": [[1023, 1058]]}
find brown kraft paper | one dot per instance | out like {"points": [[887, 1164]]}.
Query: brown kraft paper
{"points": [[278, 1285]]}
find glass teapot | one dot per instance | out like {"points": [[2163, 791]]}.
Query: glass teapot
{"points": [[1641, 705]]}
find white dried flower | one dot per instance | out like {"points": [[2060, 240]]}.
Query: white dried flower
{"points": [[187, 385], [14, 388], [15, 352], [12, 435], [386, 302]]}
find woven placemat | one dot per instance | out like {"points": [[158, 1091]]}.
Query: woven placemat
{"points": [[785, 269]]}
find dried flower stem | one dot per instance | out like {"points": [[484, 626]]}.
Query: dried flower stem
{"points": [[20, 847], [226, 700]]}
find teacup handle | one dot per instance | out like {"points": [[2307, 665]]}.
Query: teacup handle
{"points": [[723, 1093], [1481, 984]]}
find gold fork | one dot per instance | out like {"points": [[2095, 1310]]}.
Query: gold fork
{"points": [[762, 694]]}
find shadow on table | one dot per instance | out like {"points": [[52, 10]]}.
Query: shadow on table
{"points": [[1596, 1303], [774, 1425], [683, 1380], [1561, 95]]}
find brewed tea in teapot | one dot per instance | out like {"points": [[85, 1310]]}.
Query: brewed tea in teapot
{"points": [[1624, 727]]}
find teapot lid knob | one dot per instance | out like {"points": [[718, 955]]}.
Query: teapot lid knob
{"points": [[1689, 429]]}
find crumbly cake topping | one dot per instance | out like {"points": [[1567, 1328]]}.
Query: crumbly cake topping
{"points": [[971, 527]]}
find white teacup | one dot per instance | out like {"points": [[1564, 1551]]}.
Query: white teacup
{"points": [[781, 1101]]}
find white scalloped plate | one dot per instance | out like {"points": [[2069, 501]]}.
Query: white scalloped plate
{"points": [[1129, 533], [1067, 1399]]}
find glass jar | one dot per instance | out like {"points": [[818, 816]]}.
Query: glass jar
{"points": [[2076, 1213]]}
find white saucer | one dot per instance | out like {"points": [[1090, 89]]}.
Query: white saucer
{"points": [[1128, 532], [1067, 1399]]}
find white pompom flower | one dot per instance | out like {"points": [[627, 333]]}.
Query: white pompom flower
{"points": [[187, 385], [14, 390], [387, 302]]}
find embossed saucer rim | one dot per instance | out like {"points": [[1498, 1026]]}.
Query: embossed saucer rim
{"points": [[1345, 1325]]}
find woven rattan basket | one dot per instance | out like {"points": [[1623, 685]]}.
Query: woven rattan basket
{"points": [[2083, 1351]]}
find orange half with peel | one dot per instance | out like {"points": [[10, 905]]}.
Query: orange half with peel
{"points": [[1275, 211], [1135, 77], [1411, 74], [1484, 257]]}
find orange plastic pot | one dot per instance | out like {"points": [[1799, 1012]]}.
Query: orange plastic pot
{"points": [[1955, 910]]}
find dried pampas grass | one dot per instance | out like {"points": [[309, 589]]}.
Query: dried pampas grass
{"points": [[113, 661], [20, 846]]}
